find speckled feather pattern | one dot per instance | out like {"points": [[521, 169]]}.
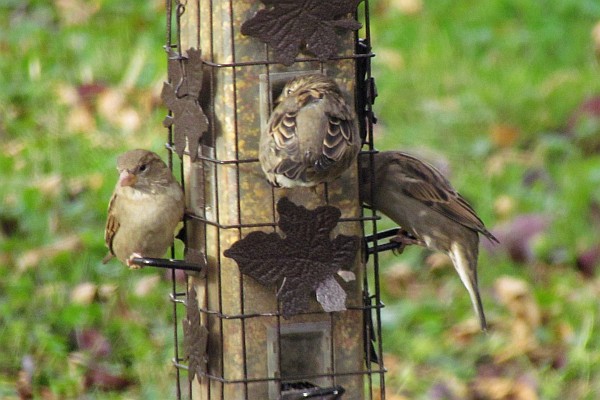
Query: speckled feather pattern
{"points": [[311, 136]]}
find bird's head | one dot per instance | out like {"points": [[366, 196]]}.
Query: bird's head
{"points": [[141, 168], [317, 84]]}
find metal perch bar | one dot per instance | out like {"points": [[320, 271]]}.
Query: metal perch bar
{"points": [[167, 263], [382, 247]]}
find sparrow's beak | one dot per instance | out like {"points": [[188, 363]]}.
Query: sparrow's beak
{"points": [[126, 178]]}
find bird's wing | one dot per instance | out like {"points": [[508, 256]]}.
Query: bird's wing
{"points": [[112, 226], [426, 184], [340, 137], [282, 130]]}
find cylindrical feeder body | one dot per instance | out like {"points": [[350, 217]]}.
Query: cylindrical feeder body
{"points": [[253, 351]]}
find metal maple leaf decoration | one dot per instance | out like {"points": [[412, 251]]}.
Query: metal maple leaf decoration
{"points": [[304, 261], [291, 26], [181, 97], [195, 338]]}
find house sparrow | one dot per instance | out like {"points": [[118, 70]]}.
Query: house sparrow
{"points": [[430, 212], [311, 136], [144, 210]]}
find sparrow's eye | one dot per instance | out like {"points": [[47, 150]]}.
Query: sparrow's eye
{"points": [[143, 167]]}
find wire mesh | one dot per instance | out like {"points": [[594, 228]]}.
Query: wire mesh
{"points": [[191, 24]]}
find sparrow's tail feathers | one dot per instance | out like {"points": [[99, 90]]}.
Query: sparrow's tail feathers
{"points": [[466, 267]]}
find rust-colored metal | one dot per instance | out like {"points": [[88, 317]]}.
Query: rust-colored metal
{"points": [[310, 26]]}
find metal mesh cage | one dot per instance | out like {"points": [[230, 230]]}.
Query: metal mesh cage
{"points": [[246, 349]]}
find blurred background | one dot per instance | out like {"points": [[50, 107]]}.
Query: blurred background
{"points": [[503, 96]]}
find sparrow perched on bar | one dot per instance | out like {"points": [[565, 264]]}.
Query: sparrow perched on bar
{"points": [[429, 211], [311, 136], [144, 210]]}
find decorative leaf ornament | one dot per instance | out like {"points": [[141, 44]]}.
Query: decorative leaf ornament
{"points": [[195, 337], [291, 26], [181, 97], [302, 262]]}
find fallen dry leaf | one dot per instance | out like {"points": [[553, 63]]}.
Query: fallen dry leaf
{"points": [[388, 396], [516, 295], [50, 186], [89, 92], [107, 291], [497, 162], [128, 119], [397, 277], [446, 391], [437, 261], [92, 341], [80, 184], [80, 119], [113, 106], [392, 363], [146, 285], [5, 258], [47, 394], [518, 235], [596, 36], [553, 355], [23, 385], [67, 94], [565, 331], [523, 342], [76, 12], [84, 293], [408, 7], [503, 135], [583, 123], [110, 103], [588, 261], [101, 378], [504, 206], [148, 100], [33, 257], [13, 148], [500, 388], [464, 332], [391, 58], [538, 176]]}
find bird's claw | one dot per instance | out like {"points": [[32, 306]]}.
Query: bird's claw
{"points": [[130, 262], [404, 238]]}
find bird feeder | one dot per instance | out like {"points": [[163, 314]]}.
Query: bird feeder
{"points": [[250, 326]]}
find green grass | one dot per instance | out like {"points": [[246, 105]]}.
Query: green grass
{"points": [[447, 77], [120, 48]]}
